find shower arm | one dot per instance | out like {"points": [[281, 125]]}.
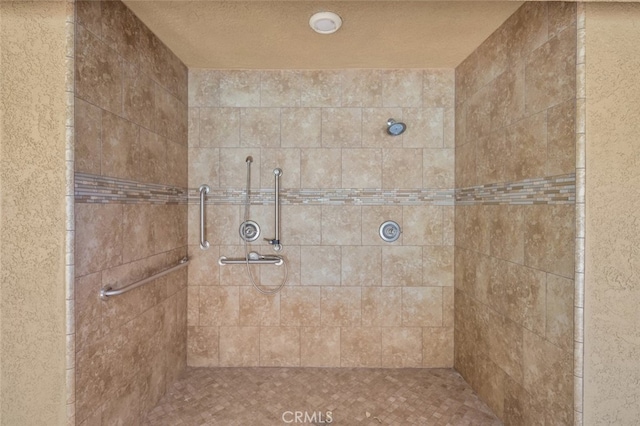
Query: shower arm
{"points": [[276, 241]]}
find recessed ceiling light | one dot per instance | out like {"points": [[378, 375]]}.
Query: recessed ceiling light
{"points": [[325, 22]]}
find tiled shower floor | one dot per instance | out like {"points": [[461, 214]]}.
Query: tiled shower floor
{"points": [[271, 396]]}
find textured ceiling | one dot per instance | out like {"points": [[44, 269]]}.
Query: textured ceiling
{"points": [[276, 34]]}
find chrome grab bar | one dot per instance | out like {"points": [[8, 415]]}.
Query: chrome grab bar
{"points": [[262, 260], [276, 241], [204, 244], [107, 292]]}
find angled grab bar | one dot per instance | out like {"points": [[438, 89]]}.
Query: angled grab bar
{"points": [[108, 292], [276, 241], [204, 244]]}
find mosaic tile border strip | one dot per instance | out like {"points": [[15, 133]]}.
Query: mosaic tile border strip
{"points": [[101, 189], [546, 190], [335, 197]]}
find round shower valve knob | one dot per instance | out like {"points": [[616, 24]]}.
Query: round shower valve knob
{"points": [[390, 231]]}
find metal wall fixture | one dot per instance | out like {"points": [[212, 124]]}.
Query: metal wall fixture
{"points": [[249, 230], [275, 242], [395, 128], [108, 292], [204, 189], [390, 231]]}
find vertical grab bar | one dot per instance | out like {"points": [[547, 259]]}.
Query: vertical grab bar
{"points": [[276, 241], [204, 244]]}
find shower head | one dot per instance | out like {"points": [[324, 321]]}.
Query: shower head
{"points": [[395, 128], [249, 159]]}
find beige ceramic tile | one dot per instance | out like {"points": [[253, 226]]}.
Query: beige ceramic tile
{"points": [[422, 307], [439, 168], [219, 127], [170, 116], [240, 88], [176, 165], [401, 347], [239, 346], [300, 306], [561, 142], [438, 88], [361, 168], [271, 276], [402, 88], [360, 347], [341, 225], [280, 88], [138, 97], [260, 127], [341, 127], [381, 306], [320, 346], [219, 305], [203, 167], [401, 168], [448, 306], [280, 346], [561, 16], [450, 125], [202, 348], [361, 88], [204, 88], [320, 266], [341, 306], [119, 141], [505, 345], [320, 168], [88, 134], [448, 225], [549, 238], [154, 160], [321, 88], [525, 141], [193, 306], [437, 267], [559, 320], [302, 225], [98, 237], [233, 167], [425, 128], [422, 225], [361, 266], [437, 347], [402, 266], [257, 308], [88, 310], [507, 232], [301, 127]]}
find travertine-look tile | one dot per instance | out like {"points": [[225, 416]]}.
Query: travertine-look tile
{"points": [[219, 305], [422, 225], [437, 347], [320, 266], [341, 127], [320, 346], [320, 168], [88, 14], [300, 306], [239, 88], [559, 312], [381, 306], [88, 310], [232, 170], [507, 232], [152, 162], [492, 157], [287, 160], [301, 127], [373, 217], [302, 225], [280, 346], [138, 97], [202, 350], [401, 168], [402, 88], [219, 127], [438, 88], [98, 237], [280, 88], [204, 88], [341, 306], [360, 347], [425, 127], [549, 238], [193, 306], [437, 267], [561, 138], [257, 308], [401, 347], [505, 345], [321, 88], [260, 127], [88, 136], [119, 143], [438, 168], [170, 116], [525, 141], [402, 266], [374, 127], [361, 168], [422, 307], [341, 225], [239, 346], [361, 266], [361, 88], [203, 167]]}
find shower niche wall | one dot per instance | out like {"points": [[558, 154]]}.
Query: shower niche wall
{"points": [[351, 299]]}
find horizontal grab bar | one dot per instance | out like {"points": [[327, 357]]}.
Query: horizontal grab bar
{"points": [[266, 260], [107, 292]]}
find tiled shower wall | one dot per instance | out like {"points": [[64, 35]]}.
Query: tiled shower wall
{"points": [[131, 140], [514, 265], [350, 299]]}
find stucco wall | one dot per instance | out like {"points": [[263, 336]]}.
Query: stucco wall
{"points": [[32, 221], [612, 294]]}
